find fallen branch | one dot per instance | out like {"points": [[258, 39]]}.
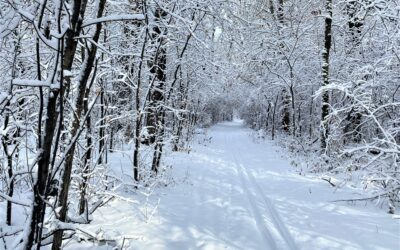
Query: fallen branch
{"points": [[11, 199], [329, 181], [363, 199], [10, 233]]}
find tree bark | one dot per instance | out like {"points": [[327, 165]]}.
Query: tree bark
{"points": [[66, 179], [325, 74], [158, 68], [285, 111], [139, 113], [273, 118]]}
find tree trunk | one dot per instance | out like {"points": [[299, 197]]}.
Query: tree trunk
{"points": [[285, 111], [355, 23], [325, 74], [101, 130], [273, 118], [158, 68], [88, 153], [293, 127], [268, 115], [311, 118], [280, 13], [66, 179], [139, 112]]}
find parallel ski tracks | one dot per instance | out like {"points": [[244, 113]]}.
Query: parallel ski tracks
{"points": [[251, 187], [277, 221]]}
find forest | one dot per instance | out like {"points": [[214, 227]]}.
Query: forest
{"points": [[84, 80]]}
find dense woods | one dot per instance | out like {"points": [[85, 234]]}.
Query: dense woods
{"points": [[82, 78], [325, 73]]}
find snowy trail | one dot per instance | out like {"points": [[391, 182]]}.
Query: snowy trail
{"points": [[237, 193], [278, 224], [254, 192]]}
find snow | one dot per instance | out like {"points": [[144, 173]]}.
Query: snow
{"points": [[110, 18], [31, 83], [232, 192]]}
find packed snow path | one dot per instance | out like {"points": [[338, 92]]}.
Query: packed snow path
{"points": [[233, 192]]}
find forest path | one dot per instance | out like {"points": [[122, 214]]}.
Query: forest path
{"points": [[235, 192]]}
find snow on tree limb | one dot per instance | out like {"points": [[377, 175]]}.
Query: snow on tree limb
{"points": [[113, 18]]}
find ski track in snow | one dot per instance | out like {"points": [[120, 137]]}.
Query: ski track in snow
{"points": [[277, 221], [248, 179], [249, 183], [275, 216], [263, 229], [241, 194]]}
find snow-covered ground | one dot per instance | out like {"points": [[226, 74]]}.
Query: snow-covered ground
{"points": [[231, 192]]}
